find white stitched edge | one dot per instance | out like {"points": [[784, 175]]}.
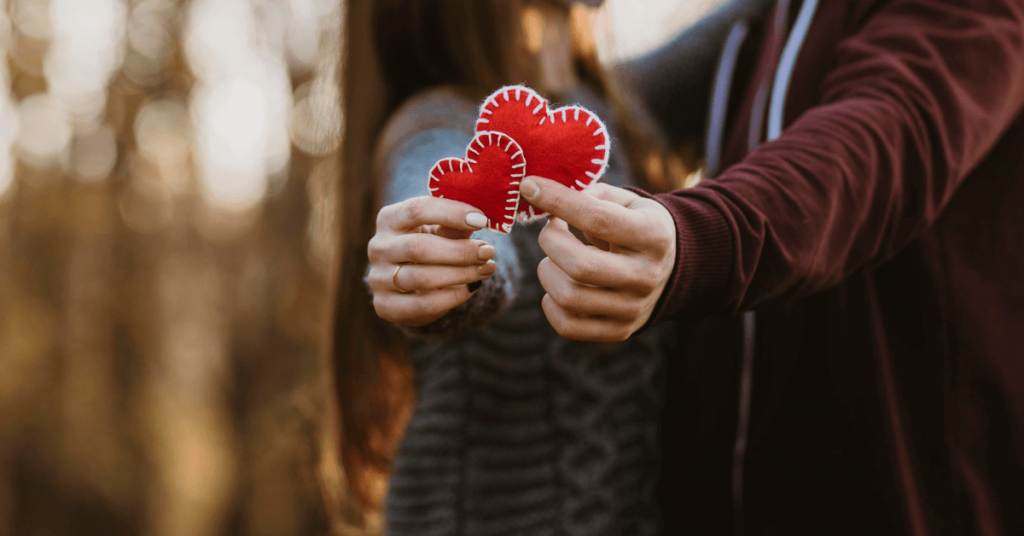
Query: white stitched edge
{"points": [[510, 210], [493, 102]]}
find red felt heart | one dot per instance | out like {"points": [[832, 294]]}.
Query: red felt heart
{"points": [[569, 145], [488, 178]]}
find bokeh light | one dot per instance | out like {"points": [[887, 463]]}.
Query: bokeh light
{"points": [[145, 145], [9, 127], [44, 132], [241, 105], [86, 51], [93, 154], [151, 40], [628, 32]]}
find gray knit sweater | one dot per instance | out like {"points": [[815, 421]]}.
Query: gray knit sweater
{"points": [[517, 430]]}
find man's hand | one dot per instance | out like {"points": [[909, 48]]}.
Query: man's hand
{"points": [[608, 290]]}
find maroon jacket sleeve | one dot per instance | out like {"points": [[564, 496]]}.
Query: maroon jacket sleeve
{"points": [[917, 96]]}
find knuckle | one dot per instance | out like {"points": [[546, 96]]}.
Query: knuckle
{"points": [[374, 279], [567, 298], [415, 249], [645, 278], [468, 252], [413, 209], [634, 309], [661, 236], [598, 220], [374, 249], [384, 215], [581, 269], [558, 202], [561, 325]]}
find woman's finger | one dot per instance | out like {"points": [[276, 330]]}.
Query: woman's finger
{"points": [[429, 277], [583, 328], [420, 308], [422, 248], [426, 210], [585, 300]]}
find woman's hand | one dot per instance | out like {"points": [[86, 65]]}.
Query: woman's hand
{"points": [[421, 259]]}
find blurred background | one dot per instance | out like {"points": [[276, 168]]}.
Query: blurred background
{"points": [[167, 198]]}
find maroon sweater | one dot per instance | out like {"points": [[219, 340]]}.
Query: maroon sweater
{"points": [[880, 240]]}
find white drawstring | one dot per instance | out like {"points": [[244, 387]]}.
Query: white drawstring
{"points": [[784, 73]]}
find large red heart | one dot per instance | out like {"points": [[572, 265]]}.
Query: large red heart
{"points": [[569, 145], [488, 178]]}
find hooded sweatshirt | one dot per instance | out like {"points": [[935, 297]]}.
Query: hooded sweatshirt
{"points": [[879, 237]]}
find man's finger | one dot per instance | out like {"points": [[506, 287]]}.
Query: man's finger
{"points": [[584, 300], [585, 264], [583, 328], [427, 210], [606, 220]]}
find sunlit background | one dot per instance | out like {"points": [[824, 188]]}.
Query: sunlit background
{"points": [[167, 179]]}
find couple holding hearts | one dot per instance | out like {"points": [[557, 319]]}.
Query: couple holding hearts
{"points": [[527, 161]]}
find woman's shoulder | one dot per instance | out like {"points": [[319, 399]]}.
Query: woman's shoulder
{"points": [[442, 107]]}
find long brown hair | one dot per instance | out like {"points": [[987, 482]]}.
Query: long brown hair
{"points": [[393, 49]]}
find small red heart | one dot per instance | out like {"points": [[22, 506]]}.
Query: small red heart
{"points": [[488, 178], [569, 145]]}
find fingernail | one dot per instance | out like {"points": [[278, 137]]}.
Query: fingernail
{"points": [[488, 268], [528, 188], [474, 286], [476, 219], [486, 252]]}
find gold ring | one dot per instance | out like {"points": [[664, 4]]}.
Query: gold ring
{"points": [[394, 280]]}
